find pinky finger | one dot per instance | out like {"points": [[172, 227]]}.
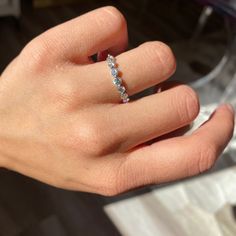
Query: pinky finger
{"points": [[179, 157]]}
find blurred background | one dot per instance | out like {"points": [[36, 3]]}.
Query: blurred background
{"points": [[202, 36]]}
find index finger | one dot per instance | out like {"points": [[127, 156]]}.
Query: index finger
{"points": [[78, 39]]}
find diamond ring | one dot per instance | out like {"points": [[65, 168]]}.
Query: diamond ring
{"points": [[117, 81]]}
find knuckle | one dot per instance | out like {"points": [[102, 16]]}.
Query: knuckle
{"points": [[162, 54], [96, 141], [112, 16], [123, 179], [90, 137], [188, 107], [207, 156], [114, 187], [62, 92], [115, 177], [105, 183], [35, 54]]}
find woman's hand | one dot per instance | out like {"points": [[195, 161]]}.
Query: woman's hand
{"points": [[61, 120]]}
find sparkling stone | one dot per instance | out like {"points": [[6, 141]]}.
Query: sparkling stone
{"points": [[117, 81], [126, 100], [121, 89], [114, 72], [124, 96], [111, 64], [110, 57]]}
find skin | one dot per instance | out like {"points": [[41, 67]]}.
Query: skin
{"points": [[62, 123]]}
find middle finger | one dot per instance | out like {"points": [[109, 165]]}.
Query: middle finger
{"points": [[140, 68], [152, 116]]}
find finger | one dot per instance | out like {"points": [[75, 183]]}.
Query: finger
{"points": [[141, 68], [155, 115], [179, 157], [78, 39]]}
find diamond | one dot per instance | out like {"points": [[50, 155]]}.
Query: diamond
{"points": [[111, 64], [110, 58], [114, 72], [121, 89], [117, 81], [111, 61], [126, 100], [124, 96]]}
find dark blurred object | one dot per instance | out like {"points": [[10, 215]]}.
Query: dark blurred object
{"points": [[10, 8], [234, 212], [227, 8], [46, 3]]}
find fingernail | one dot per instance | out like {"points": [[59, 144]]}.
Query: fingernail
{"points": [[229, 107]]}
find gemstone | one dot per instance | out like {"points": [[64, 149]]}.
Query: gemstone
{"points": [[110, 58], [111, 64], [117, 81], [121, 89], [111, 61], [114, 72], [124, 96], [126, 100]]}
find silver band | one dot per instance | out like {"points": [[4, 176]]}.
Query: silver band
{"points": [[117, 81]]}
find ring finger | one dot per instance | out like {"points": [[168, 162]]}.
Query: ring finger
{"points": [[139, 68]]}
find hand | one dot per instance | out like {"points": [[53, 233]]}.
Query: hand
{"points": [[61, 120]]}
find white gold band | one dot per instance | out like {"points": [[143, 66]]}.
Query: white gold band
{"points": [[117, 81]]}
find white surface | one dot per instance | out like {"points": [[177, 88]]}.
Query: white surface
{"points": [[198, 207]]}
